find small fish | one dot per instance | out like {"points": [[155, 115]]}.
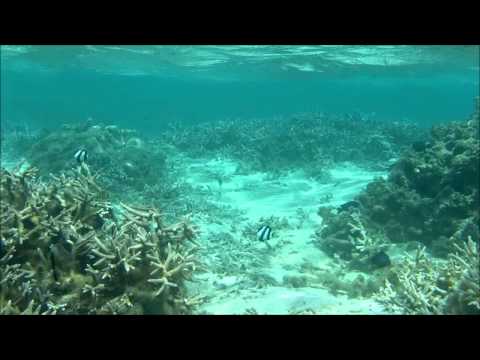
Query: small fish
{"points": [[264, 233], [380, 259], [54, 267], [2, 248], [81, 156], [349, 206], [420, 146]]}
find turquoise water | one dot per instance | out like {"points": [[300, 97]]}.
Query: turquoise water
{"points": [[150, 86], [239, 180]]}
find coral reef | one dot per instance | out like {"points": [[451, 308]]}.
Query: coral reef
{"points": [[238, 254], [432, 191], [66, 250], [308, 141], [424, 285], [339, 279], [124, 159], [361, 286], [236, 257], [250, 230], [431, 194], [344, 235], [431, 197]]}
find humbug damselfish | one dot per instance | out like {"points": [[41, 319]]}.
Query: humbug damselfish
{"points": [[264, 233]]}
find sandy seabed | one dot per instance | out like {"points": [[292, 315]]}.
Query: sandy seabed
{"points": [[226, 286], [255, 196]]}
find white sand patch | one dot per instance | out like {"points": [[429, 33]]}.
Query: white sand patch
{"points": [[280, 301], [259, 195], [10, 162]]}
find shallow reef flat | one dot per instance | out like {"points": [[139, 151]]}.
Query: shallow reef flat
{"points": [[395, 233], [246, 276]]}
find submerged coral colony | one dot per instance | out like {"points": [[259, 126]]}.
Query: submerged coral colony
{"points": [[110, 234]]}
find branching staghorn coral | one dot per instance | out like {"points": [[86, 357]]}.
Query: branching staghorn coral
{"points": [[464, 277], [345, 235], [416, 291], [168, 269], [65, 251], [427, 286], [364, 245]]}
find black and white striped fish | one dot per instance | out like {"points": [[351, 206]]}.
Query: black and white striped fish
{"points": [[81, 156], [264, 233]]}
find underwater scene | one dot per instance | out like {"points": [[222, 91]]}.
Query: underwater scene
{"points": [[239, 179]]}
